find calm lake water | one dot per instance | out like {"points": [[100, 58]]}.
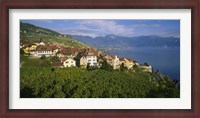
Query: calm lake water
{"points": [[166, 60]]}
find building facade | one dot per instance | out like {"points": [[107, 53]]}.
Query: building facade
{"points": [[113, 60], [69, 63], [91, 60]]}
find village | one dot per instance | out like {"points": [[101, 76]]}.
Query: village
{"points": [[78, 57]]}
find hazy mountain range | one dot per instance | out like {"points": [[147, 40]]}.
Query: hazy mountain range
{"points": [[114, 41]]}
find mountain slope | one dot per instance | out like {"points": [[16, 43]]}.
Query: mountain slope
{"points": [[113, 41], [31, 33]]}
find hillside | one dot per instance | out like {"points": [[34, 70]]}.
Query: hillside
{"points": [[113, 41], [98, 83], [31, 33]]}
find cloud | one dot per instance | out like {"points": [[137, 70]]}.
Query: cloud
{"points": [[94, 28], [78, 31], [104, 27], [145, 25]]}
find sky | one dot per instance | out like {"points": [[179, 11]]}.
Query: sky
{"points": [[128, 28]]}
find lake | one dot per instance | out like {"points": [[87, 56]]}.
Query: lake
{"points": [[166, 60]]}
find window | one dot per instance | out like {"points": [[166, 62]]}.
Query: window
{"points": [[71, 61]]}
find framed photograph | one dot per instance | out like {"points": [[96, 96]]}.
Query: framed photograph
{"points": [[100, 58]]}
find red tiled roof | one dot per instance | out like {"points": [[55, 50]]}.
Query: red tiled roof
{"points": [[90, 52], [121, 59], [57, 63], [71, 51], [63, 51], [68, 51], [43, 48], [53, 47], [86, 52], [129, 59], [111, 56], [81, 50], [63, 59]]}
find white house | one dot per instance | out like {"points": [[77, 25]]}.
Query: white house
{"points": [[69, 62], [92, 60], [116, 62], [147, 68], [91, 57], [47, 53], [43, 50]]}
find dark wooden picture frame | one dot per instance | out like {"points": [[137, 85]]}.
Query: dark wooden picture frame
{"points": [[6, 5]]}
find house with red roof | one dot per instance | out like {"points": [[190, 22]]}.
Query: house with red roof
{"points": [[44, 50], [128, 62], [88, 56], [113, 60], [67, 52], [68, 62]]}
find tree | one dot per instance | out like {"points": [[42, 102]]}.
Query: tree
{"points": [[106, 66], [146, 64], [123, 68], [88, 66], [53, 59], [43, 57], [22, 51], [157, 71]]}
